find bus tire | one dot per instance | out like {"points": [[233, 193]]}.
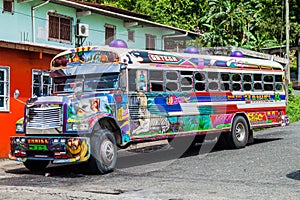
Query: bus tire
{"points": [[36, 165], [103, 152], [238, 137]]}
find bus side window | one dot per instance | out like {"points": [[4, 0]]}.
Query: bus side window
{"points": [[279, 83], [200, 81], [141, 80], [186, 80], [131, 79], [156, 80], [213, 81], [225, 81], [123, 80], [247, 82], [236, 80], [268, 82], [171, 81], [257, 82]]}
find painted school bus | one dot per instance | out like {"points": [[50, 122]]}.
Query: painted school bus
{"points": [[105, 97]]}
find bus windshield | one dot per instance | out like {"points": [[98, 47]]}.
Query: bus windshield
{"points": [[86, 83]]}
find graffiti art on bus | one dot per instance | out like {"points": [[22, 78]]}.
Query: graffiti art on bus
{"points": [[88, 106], [258, 117], [77, 150], [147, 122]]}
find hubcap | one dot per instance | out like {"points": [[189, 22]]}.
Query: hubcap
{"points": [[107, 151], [240, 131]]}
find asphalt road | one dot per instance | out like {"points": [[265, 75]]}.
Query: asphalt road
{"points": [[267, 169]]}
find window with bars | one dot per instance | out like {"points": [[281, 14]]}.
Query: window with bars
{"points": [[110, 32], [150, 42], [8, 6], [60, 28], [4, 89], [41, 83]]}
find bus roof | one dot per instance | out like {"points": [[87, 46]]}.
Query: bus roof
{"points": [[101, 59]]}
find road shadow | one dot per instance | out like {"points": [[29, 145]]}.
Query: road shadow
{"points": [[294, 175], [264, 140], [65, 171], [154, 154]]}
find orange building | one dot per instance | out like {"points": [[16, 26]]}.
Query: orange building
{"points": [[22, 67]]}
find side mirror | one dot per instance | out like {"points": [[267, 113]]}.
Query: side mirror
{"points": [[16, 94]]}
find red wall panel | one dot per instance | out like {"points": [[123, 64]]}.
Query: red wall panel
{"points": [[21, 63]]}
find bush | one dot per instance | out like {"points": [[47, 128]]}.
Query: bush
{"points": [[293, 106]]}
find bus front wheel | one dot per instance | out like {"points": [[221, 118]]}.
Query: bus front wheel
{"points": [[238, 137], [103, 152]]}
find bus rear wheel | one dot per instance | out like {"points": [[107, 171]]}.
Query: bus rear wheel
{"points": [[36, 165], [238, 137], [103, 152]]}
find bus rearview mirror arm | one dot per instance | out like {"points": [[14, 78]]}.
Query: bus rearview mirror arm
{"points": [[17, 95]]}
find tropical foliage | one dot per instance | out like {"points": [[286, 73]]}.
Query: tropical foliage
{"points": [[250, 24]]}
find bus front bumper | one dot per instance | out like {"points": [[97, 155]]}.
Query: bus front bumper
{"points": [[55, 149]]}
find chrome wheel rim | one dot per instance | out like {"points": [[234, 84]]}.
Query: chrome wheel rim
{"points": [[240, 132], [107, 151]]}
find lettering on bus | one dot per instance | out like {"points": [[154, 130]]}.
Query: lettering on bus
{"points": [[38, 140], [234, 97], [38, 147], [162, 58], [258, 98]]}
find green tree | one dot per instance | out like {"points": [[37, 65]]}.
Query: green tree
{"points": [[250, 24]]}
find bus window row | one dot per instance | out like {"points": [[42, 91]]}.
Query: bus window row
{"points": [[194, 81]]}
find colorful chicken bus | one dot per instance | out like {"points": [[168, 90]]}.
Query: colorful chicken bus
{"points": [[106, 98]]}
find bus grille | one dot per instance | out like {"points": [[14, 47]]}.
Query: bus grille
{"points": [[44, 117]]}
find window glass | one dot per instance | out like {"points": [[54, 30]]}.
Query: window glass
{"points": [[268, 87], [200, 86], [171, 75], [156, 75], [278, 78], [225, 77], [60, 28], [279, 87], [150, 42], [247, 86], [236, 77], [186, 73], [4, 88], [41, 83], [172, 86], [247, 78], [257, 86], [236, 86], [8, 5], [200, 76], [131, 79], [268, 78], [212, 75], [109, 33], [186, 81], [131, 35], [257, 77], [213, 86], [157, 86], [225, 87]]}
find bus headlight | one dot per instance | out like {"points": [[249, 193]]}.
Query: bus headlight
{"points": [[77, 126]]}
